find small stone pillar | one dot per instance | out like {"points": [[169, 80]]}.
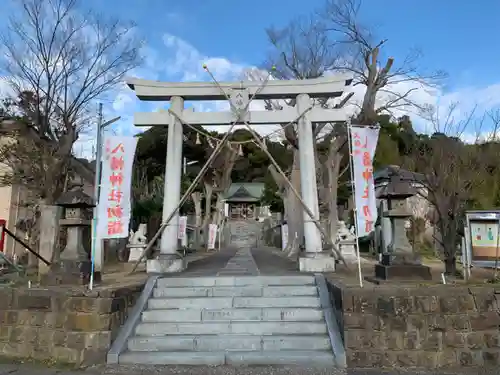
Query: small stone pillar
{"points": [[73, 266], [50, 217], [398, 259]]}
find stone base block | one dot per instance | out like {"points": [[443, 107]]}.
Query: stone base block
{"points": [[135, 253], [317, 264], [403, 272], [68, 272], [166, 264]]}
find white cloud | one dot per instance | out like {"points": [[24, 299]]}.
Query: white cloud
{"points": [[181, 61], [186, 62]]}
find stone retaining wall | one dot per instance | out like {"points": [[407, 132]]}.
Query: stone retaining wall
{"points": [[60, 324], [426, 326]]}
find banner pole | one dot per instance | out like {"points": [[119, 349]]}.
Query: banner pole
{"points": [[97, 180], [353, 188]]}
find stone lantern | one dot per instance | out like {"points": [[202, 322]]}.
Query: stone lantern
{"points": [[398, 259], [73, 266]]}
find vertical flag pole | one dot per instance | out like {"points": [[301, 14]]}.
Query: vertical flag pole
{"points": [[353, 188], [97, 180]]}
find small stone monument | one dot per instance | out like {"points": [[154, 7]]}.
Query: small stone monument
{"points": [[137, 242], [73, 265], [346, 242], [398, 259]]}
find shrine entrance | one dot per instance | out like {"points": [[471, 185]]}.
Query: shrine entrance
{"points": [[302, 115], [242, 211], [243, 199]]}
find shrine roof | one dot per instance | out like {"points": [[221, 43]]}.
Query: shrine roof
{"points": [[244, 192]]}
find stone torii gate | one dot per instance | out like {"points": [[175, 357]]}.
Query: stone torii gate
{"points": [[240, 94]]}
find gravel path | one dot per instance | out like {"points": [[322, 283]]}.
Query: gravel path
{"points": [[224, 370]]}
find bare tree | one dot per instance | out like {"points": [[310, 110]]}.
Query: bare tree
{"points": [[334, 40], [58, 59], [395, 83], [452, 172]]}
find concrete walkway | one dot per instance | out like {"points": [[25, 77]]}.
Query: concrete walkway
{"points": [[242, 261], [241, 264], [208, 266], [271, 264]]}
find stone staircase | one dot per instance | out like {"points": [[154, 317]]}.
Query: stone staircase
{"points": [[243, 320], [244, 233]]}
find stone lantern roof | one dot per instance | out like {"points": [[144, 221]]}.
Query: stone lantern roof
{"points": [[75, 199], [396, 188]]}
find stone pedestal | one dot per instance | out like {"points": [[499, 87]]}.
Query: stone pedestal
{"points": [[398, 261], [346, 242], [318, 263], [67, 271], [402, 272], [348, 251], [166, 263], [135, 252]]}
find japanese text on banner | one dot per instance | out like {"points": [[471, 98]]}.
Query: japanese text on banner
{"points": [[363, 146], [116, 179]]}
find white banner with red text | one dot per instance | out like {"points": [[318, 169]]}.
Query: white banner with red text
{"points": [[114, 207], [212, 236], [363, 145], [182, 233]]}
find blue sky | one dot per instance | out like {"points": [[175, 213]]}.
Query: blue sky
{"points": [[459, 37]]}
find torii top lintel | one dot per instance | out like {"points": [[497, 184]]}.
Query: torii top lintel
{"points": [[333, 86]]}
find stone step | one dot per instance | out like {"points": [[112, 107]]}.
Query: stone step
{"points": [[291, 357], [210, 343], [244, 291], [242, 314], [214, 303], [235, 281], [174, 358], [236, 327], [284, 357]]}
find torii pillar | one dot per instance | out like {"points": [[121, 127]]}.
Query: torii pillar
{"points": [[169, 260]]}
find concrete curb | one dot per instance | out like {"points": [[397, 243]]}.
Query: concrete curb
{"points": [[133, 319], [331, 323]]}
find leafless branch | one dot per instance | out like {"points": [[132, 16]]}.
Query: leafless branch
{"points": [[59, 59]]}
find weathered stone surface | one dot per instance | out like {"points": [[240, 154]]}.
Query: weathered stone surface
{"points": [[62, 324], [431, 326]]}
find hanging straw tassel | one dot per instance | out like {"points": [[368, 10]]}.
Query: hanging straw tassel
{"points": [[198, 140], [240, 151]]}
